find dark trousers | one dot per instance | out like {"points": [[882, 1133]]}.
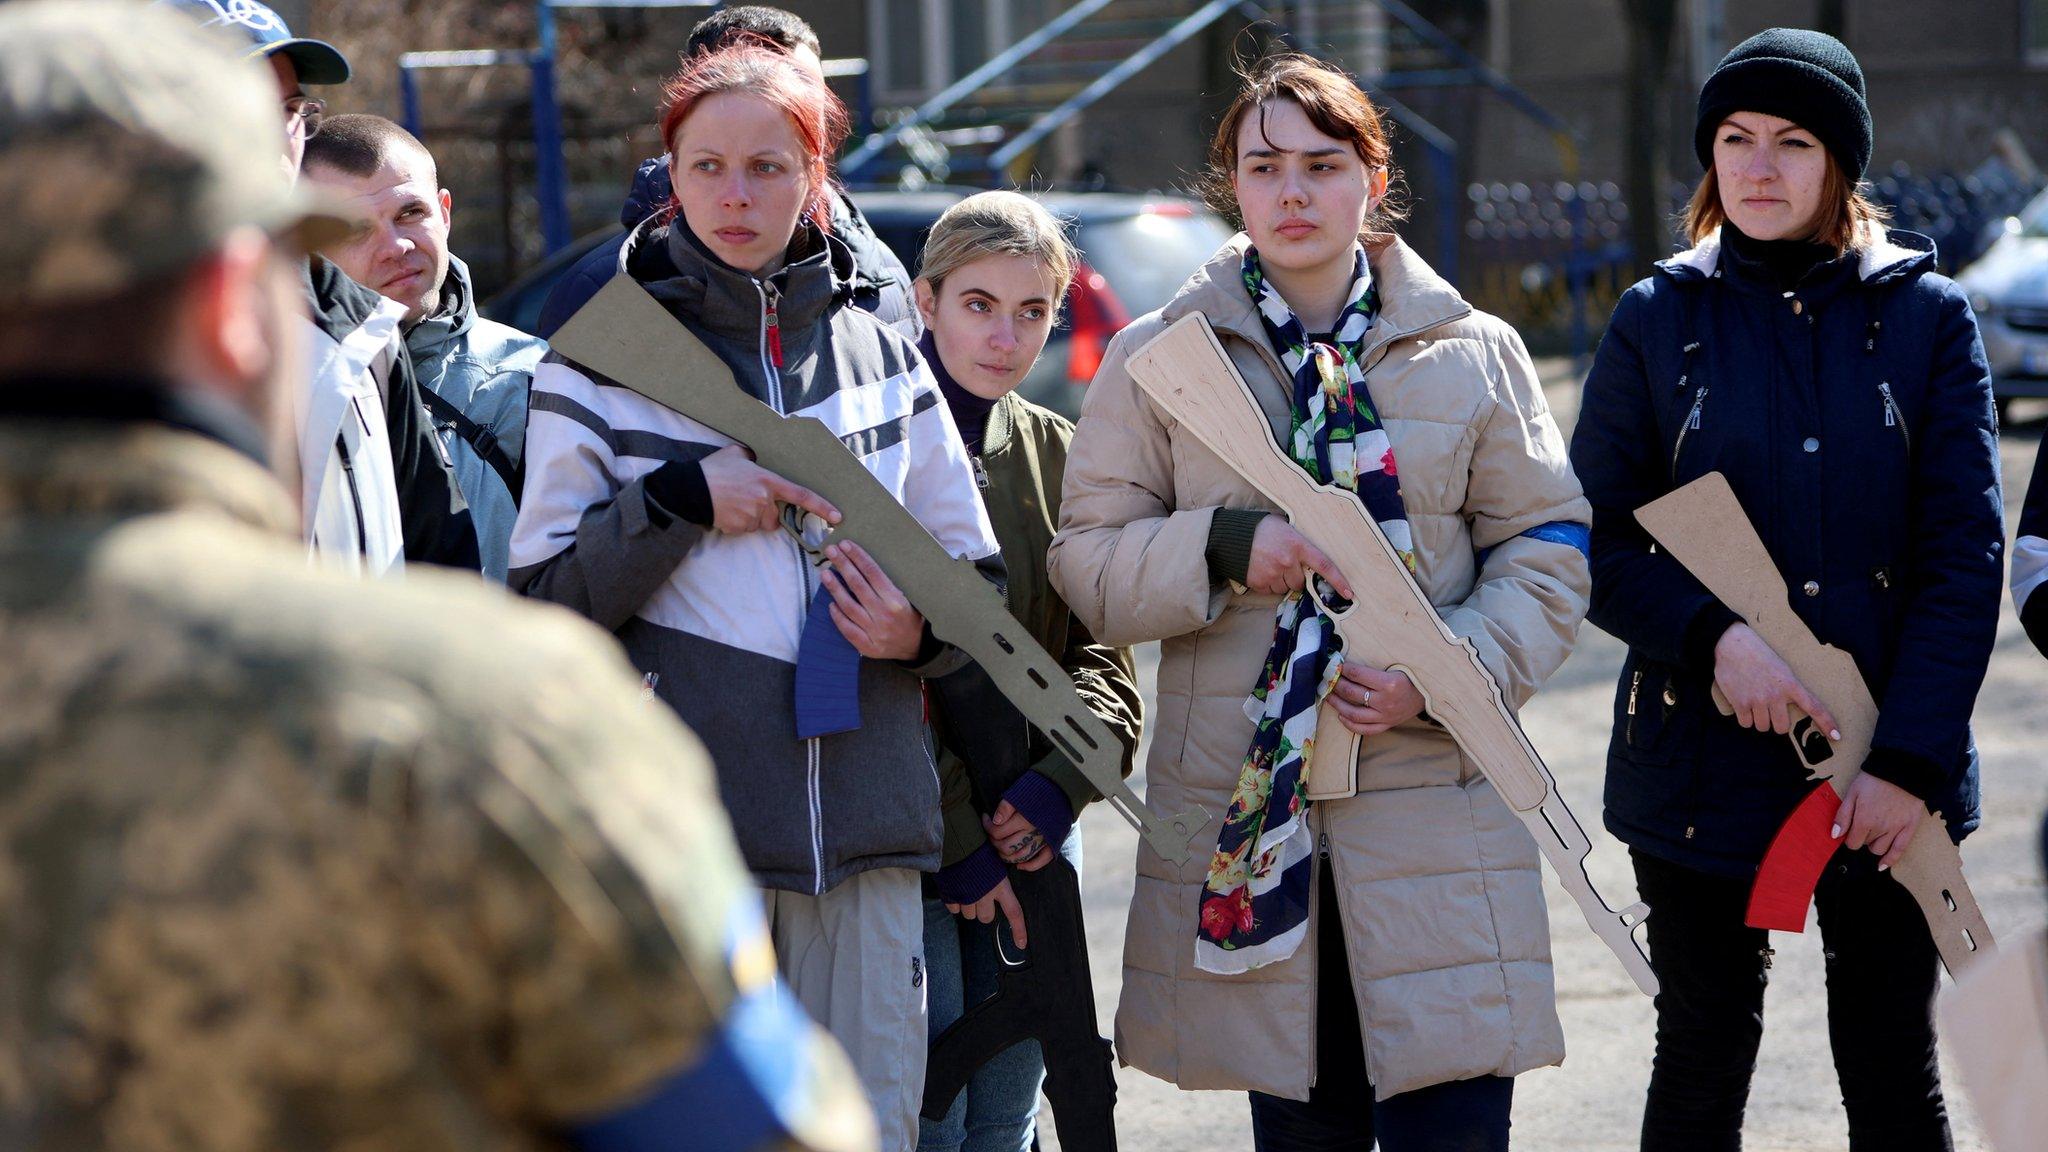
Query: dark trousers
{"points": [[1881, 976], [1340, 1115]]}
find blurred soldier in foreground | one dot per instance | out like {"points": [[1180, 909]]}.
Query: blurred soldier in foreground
{"points": [[289, 859], [474, 374]]}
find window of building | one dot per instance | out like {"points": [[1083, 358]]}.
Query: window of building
{"points": [[896, 47]]}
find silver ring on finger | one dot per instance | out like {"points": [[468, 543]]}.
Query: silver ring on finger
{"points": [[1365, 698]]}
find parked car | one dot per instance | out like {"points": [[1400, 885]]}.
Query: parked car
{"points": [[1135, 251], [2008, 288], [518, 304]]}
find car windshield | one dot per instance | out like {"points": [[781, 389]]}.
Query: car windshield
{"points": [[1146, 257], [2034, 217]]}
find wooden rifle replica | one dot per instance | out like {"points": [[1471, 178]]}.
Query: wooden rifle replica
{"points": [[1187, 374], [1703, 527]]}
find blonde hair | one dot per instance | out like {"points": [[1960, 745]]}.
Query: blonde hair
{"points": [[1842, 222], [998, 224]]}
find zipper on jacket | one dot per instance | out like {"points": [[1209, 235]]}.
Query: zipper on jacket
{"points": [[1893, 418], [1635, 685], [770, 351], [770, 347], [1692, 421], [355, 497], [817, 820], [1316, 961]]}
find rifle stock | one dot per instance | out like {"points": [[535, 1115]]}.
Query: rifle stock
{"points": [[1041, 995], [1187, 373]]}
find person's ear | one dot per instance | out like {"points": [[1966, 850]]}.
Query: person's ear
{"points": [[1375, 190], [927, 300], [229, 334], [447, 208]]}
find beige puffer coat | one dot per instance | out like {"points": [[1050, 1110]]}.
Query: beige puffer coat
{"points": [[1440, 888]]}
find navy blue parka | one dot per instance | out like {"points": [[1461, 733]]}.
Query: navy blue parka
{"points": [[1853, 417]]}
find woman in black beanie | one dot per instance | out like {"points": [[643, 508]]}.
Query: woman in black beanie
{"points": [[1820, 363]]}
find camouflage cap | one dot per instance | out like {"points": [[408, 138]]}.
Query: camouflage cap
{"points": [[132, 141]]}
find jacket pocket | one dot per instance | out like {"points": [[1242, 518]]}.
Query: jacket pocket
{"points": [[1647, 711]]}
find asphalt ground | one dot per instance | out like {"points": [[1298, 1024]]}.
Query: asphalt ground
{"points": [[1594, 1101]]}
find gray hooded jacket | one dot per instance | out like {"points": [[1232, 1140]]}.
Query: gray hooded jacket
{"points": [[474, 375]]}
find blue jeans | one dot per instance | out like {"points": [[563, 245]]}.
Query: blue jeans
{"points": [[999, 1110], [1340, 1114]]}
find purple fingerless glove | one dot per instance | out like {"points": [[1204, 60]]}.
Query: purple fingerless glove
{"points": [[972, 877], [1045, 804]]}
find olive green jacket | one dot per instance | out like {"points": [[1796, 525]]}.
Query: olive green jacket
{"points": [[1023, 460]]}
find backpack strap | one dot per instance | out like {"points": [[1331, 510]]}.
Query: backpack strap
{"points": [[479, 438]]}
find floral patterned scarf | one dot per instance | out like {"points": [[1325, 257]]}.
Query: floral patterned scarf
{"points": [[1254, 904]]}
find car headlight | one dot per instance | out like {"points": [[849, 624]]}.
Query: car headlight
{"points": [[1982, 305]]}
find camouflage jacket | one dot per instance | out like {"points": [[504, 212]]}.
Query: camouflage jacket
{"points": [[295, 861]]}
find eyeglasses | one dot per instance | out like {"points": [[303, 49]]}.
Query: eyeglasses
{"points": [[302, 117]]}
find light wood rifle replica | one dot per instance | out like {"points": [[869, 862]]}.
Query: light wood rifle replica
{"points": [[1390, 623], [1703, 527], [627, 336]]}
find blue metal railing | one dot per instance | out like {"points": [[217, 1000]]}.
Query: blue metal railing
{"points": [[851, 166], [1102, 85]]}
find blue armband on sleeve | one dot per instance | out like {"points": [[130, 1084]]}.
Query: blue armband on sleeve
{"points": [[745, 1090], [1570, 533]]}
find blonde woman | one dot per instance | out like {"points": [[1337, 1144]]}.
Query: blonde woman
{"points": [[995, 268]]}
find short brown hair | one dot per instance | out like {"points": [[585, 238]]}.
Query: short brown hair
{"points": [[357, 144], [1844, 214], [1333, 103]]}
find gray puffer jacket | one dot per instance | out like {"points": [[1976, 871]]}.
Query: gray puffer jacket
{"points": [[714, 620]]}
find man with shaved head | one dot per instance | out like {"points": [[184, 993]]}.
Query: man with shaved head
{"points": [[474, 374]]}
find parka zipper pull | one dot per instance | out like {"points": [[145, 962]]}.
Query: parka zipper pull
{"points": [[1635, 685], [1323, 845], [774, 325]]}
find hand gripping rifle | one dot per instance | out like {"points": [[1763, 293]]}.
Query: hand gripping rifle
{"points": [[1045, 994], [1703, 527], [1187, 374], [626, 336]]}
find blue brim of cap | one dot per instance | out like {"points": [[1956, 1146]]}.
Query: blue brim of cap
{"points": [[317, 61]]}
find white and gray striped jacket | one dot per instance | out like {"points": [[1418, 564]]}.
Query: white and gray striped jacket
{"points": [[714, 620]]}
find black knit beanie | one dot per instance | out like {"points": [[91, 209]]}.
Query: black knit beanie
{"points": [[1809, 78]]}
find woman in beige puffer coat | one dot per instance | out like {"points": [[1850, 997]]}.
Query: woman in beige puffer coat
{"points": [[1426, 932]]}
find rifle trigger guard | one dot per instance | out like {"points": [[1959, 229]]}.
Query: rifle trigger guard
{"points": [[1003, 952], [808, 529], [1326, 599]]}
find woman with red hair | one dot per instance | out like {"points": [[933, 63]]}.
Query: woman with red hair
{"points": [[668, 533]]}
